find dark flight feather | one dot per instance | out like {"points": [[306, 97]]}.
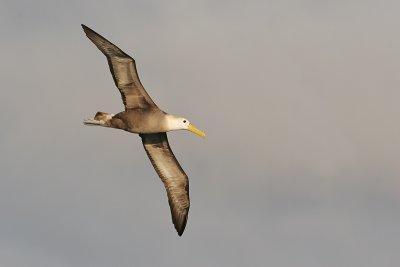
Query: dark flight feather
{"points": [[124, 72], [172, 175]]}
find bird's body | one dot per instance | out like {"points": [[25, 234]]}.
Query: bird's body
{"points": [[138, 121], [142, 116]]}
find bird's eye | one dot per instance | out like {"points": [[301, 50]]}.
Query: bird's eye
{"points": [[184, 121]]}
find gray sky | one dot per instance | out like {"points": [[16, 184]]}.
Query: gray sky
{"points": [[299, 100]]}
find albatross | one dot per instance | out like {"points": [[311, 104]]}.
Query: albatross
{"points": [[143, 117]]}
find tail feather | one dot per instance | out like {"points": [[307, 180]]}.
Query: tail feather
{"points": [[100, 119], [102, 116]]}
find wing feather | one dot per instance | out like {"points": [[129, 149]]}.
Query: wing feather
{"points": [[172, 175], [124, 72]]}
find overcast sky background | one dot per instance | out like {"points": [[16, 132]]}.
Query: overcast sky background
{"points": [[299, 101]]}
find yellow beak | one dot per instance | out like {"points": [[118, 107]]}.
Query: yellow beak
{"points": [[193, 129]]}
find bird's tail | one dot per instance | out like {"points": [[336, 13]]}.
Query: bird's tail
{"points": [[100, 119]]}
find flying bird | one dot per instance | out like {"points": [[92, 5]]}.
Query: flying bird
{"points": [[143, 117]]}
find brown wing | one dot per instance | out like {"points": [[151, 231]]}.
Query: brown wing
{"points": [[174, 178], [123, 69]]}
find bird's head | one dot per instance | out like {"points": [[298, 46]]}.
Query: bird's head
{"points": [[179, 123]]}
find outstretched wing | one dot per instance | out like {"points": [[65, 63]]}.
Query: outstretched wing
{"points": [[123, 69], [171, 173]]}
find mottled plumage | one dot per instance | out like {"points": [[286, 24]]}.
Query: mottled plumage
{"points": [[142, 116]]}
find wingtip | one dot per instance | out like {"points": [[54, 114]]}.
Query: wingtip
{"points": [[180, 227], [85, 28], [180, 231]]}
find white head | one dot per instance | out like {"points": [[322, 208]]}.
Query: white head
{"points": [[179, 123]]}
